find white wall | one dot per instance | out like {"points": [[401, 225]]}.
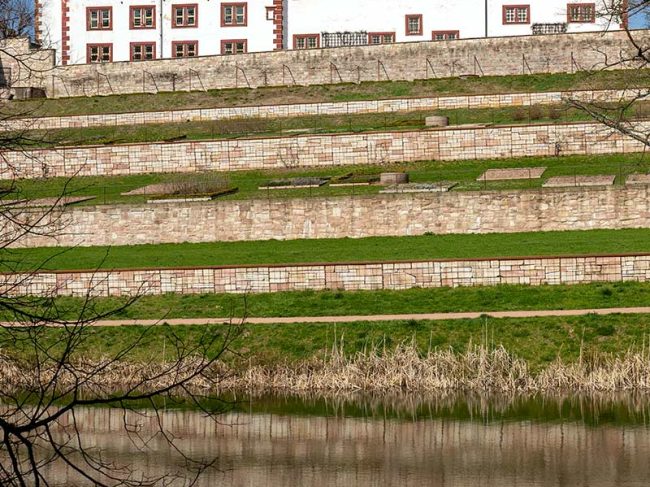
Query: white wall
{"points": [[301, 17], [51, 26], [209, 33], [466, 16]]}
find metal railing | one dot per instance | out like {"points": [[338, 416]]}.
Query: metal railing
{"points": [[344, 39], [543, 29]]}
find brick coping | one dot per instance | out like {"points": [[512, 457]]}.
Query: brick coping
{"points": [[458, 128], [332, 264], [341, 103]]}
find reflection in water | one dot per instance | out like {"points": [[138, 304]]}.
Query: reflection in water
{"points": [[327, 442]]}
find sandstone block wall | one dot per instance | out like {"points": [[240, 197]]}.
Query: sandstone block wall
{"points": [[23, 66], [348, 216], [307, 109], [563, 53], [449, 144], [533, 271]]}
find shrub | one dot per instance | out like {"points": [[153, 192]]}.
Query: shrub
{"points": [[535, 113], [193, 184]]}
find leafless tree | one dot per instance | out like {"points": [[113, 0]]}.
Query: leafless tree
{"points": [[46, 376], [627, 110], [16, 18], [45, 372]]}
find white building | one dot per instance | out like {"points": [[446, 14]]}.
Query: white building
{"points": [[88, 31]]}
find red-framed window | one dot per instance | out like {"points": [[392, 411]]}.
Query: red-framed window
{"points": [[306, 41], [516, 14], [185, 48], [413, 23], [270, 13], [234, 14], [445, 35], [142, 51], [375, 38], [142, 17], [99, 18], [234, 46], [581, 13], [185, 15], [99, 53]]}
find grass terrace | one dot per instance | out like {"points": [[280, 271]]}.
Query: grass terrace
{"points": [[537, 340], [342, 303], [320, 124], [331, 250], [108, 190], [323, 93]]}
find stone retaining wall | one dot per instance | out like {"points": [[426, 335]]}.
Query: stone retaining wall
{"points": [[563, 53], [21, 65], [346, 216], [307, 109], [460, 143], [533, 271]]}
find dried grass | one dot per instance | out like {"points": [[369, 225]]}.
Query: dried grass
{"points": [[405, 369]]}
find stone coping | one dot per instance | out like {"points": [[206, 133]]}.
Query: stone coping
{"points": [[579, 181], [47, 202], [638, 178], [380, 195], [562, 93], [451, 128], [513, 173], [334, 264], [437, 187]]}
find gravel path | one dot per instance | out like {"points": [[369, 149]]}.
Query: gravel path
{"points": [[374, 318]]}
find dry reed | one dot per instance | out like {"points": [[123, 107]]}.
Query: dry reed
{"points": [[405, 369]]}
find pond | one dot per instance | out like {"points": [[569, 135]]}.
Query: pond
{"points": [[401, 440]]}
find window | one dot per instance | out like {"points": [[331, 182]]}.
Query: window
{"points": [[234, 14], [306, 41], [185, 49], [141, 51], [185, 15], [234, 46], [581, 12], [375, 38], [445, 35], [270, 13], [99, 53], [414, 25], [143, 17], [516, 14], [99, 18]]}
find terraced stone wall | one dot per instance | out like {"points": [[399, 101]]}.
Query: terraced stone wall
{"points": [[533, 271], [306, 151], [310, 109], [348, 216], [563, 53]]}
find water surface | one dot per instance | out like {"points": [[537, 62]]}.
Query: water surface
{"points": [[402, 441]]}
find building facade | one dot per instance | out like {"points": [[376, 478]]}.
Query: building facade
{"points": [[95, 31]]}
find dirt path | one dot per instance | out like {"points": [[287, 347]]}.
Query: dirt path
{"points": [[374, 318]]}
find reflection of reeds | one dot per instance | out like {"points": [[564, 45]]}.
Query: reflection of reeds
{"points": [[404, 370]]}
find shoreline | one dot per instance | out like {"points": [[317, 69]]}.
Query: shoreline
{"points": [[403, 370]]}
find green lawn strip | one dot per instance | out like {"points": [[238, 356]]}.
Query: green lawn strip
{"points": [[267, 252], [109, 189], [347, 303], [125, 134], [320, 93], [537, 340]]}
